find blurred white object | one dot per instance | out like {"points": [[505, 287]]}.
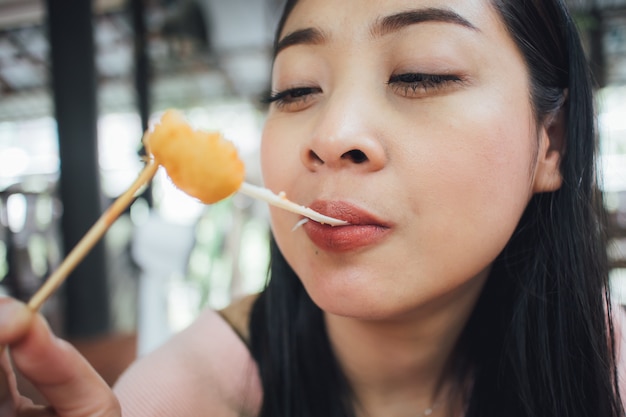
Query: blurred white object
{"points": [[161, 249]]}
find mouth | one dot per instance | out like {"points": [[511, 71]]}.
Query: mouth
{"points": [[364, 229]]}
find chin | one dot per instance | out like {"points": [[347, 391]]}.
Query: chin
{"points": [[357, 300], [354, 310], [360, 310]]}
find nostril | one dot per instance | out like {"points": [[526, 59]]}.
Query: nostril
{"points": [[315, 158], [355, 156]]}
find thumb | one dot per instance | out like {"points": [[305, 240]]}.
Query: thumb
{"points": [[64, 377]]}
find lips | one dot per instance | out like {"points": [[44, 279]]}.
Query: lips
{"points": [[364, 230]]}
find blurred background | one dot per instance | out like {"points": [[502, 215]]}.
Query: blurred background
{"points": [[81, 80]]}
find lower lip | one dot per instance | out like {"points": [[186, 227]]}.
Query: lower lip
{"points": [[344, 238]]}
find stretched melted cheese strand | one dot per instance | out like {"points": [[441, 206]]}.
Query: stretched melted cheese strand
{"points": [[282, 202], [207, 167]]}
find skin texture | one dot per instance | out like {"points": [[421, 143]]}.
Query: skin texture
{"points": [[447, 168]]}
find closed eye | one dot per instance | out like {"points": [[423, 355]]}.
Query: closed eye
{"points": [[292, 99], [419, 85]]}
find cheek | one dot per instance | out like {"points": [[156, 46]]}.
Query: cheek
{"points": [[281, 170], [276, 165], [482, 153], [502, 159], [472, 179]]}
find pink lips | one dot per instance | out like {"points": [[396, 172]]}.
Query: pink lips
{"points": [[364, 228]]}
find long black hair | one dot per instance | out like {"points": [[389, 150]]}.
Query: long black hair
{"points": [[540, 340]]}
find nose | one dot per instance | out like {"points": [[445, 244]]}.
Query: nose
{"points": [[344, 135]]}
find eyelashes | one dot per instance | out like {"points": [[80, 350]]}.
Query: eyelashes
{"points": [[414, 84], [291, 95], [409, 85]]}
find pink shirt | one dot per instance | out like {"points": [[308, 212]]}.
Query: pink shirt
{"points": [[204, 370], [207, 370]]}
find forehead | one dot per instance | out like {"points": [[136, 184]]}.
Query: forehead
{"points": [[363, 17]]}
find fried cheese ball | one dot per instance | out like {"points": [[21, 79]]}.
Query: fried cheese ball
{"points": [[202, 164]]}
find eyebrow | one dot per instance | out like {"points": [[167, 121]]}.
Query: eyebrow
{"points": [[382, 27], [308, 36], [397, 21]]}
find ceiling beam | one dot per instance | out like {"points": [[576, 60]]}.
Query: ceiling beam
{"points": [[21, 13]]}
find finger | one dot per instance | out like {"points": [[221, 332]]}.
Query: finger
{"points": [[65, 378], [12, 326], [7, 404], [31, 410], [15, 319]]}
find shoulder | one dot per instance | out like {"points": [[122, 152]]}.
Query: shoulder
{"points": [[204, 370], [237, 315]]}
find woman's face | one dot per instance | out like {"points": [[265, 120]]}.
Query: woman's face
{"points": [[412, 120]]}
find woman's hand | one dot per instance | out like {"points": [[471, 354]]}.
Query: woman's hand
{"points": [[70, 385]]}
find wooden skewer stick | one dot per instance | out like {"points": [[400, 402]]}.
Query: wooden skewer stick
{"points": [[93, 235]]}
